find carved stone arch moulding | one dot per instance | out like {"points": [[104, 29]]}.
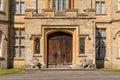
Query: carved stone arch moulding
{"points": [[118, 33], [69, 31]]}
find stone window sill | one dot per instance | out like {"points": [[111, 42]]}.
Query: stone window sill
{"points": [[2, 12], [118, 58], [18, 58], [103, 59], [100, 59], [82, 55], [37, 55], [101, 14], [118, 11], [19, 14]]}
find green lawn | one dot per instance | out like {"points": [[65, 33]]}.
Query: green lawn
{"points": [[9, 71], [110, 70]]}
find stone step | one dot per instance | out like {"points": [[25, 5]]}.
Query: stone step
{"points": [[66, 69]]}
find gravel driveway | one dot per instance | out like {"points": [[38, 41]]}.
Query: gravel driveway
{"points": [[62, 75]]}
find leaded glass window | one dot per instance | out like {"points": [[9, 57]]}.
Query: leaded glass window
{"points": [[22, 32], [59, 4], [64, 4], [54, 4], [16, 32], [22, 8], [100, 43], [22, 51], [15, 51], [103, 32], [97, 7], [100, 7], [82, 45], [22, 41], [19, 41], [16, 41], [19, 7], [37, 46]]}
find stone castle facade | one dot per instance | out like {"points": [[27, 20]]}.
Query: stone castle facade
{"points": [[59, 33]]}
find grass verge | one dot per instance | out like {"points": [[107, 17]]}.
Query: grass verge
{"points": [[10, 71], [109, 69]]}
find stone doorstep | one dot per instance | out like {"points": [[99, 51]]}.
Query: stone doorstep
{"points": [[60, 69], [66, 69]]}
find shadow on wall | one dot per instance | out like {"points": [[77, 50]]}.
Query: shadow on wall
{"points": [[11, 35]]}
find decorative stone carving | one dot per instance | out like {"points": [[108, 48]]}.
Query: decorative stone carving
{"points": [[87, 64], [33, 64]]}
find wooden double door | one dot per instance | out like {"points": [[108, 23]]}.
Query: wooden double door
{"points": [[59, 50]]}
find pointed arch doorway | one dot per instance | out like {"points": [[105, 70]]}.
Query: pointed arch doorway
{"points": [[59, 51]]}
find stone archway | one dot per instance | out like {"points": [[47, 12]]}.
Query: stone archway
{"points": [[59, 50]]}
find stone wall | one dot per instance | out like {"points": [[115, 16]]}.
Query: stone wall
{"points": [[4, 25], [4, 46], [79, 20]]}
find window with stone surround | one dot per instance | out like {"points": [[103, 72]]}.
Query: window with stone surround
{"points": [[19, 7], [100, 7], [36, 45], [82, 45], [100, 43], [19, 42], [60, 4], [0, 5]]}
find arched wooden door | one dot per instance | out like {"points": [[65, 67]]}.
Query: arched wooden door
{"points": [[59, 50]]}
